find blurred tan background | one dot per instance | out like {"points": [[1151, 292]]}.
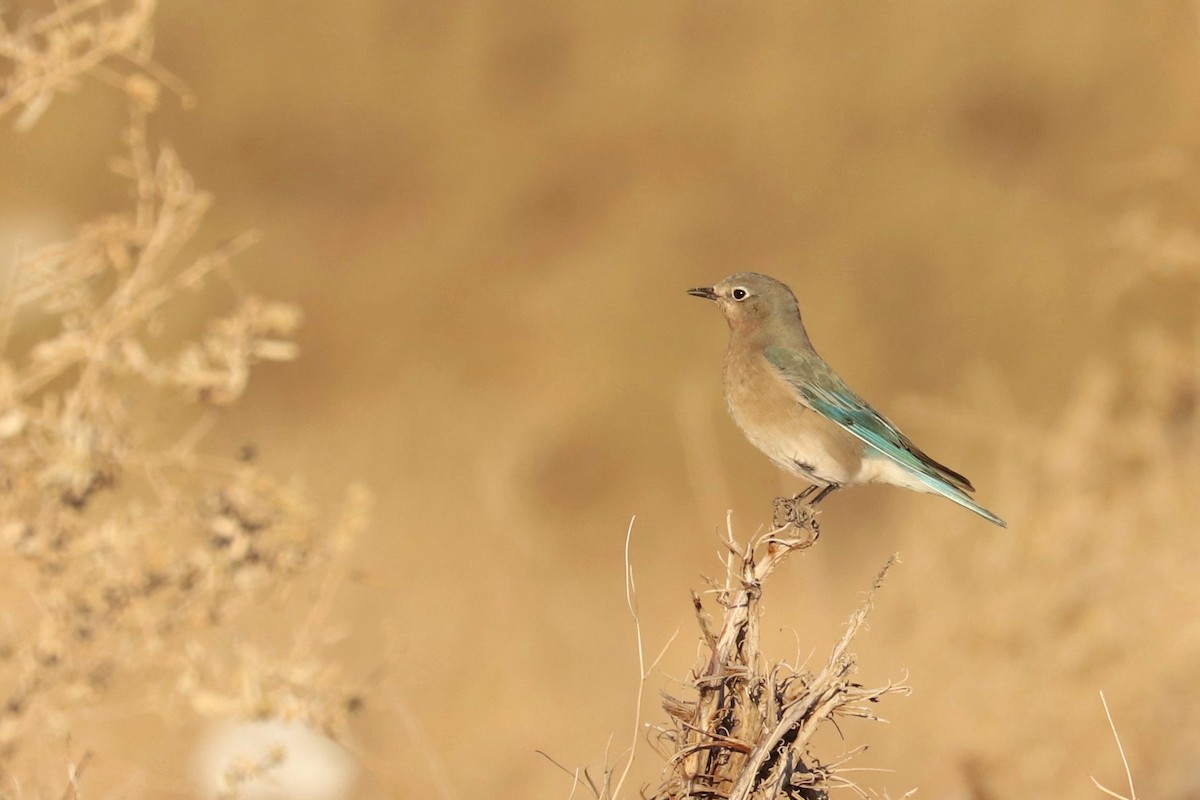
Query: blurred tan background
{"points": [[489, 214]]}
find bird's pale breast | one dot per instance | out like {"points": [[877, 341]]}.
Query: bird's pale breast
{"points": [[765, 406]]}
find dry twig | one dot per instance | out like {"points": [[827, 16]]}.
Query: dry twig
{"points": [[747, 733]]}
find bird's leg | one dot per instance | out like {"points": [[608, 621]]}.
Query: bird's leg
{"points": [[822, 494], [808, 491]]}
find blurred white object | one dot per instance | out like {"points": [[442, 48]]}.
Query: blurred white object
{"points": [[271, 761]]}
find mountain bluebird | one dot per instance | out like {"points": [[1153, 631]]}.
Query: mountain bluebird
{"points": [[794, 408]]}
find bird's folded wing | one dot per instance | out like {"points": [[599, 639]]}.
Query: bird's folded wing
{"points": [[820, 388]]}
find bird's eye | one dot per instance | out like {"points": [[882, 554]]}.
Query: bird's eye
{"points": [[739, 294]]}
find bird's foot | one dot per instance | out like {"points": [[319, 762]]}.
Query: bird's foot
{"points": [[793, 515]]}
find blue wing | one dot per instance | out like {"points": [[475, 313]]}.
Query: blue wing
{"points": [[823, 391]]}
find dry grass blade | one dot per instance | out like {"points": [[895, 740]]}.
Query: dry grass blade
{"points": [[610, 784], [1124, 761], [74, 773]]}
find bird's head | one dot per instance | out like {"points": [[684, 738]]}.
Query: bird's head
{"points": [[750, 300]]}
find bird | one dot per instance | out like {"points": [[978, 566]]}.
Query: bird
{"points": [[793, 407]]}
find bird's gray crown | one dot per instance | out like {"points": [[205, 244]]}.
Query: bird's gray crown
{"points": [[762, 290]]}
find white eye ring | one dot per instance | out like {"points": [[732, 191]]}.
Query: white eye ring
{"points": [[739, 293]]}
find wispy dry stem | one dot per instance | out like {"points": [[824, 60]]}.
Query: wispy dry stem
{"points": [[1124, 761]]}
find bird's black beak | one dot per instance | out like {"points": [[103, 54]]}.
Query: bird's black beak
{"points": [[704, 291]]}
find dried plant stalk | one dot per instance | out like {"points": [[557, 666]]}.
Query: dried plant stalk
{"points": [[747, 732]]}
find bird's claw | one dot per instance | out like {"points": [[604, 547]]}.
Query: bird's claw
{"points": [[795, 514]]}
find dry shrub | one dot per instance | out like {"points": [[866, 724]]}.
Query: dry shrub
{"points": [[745, 728], [124, 546], [748, 731]]}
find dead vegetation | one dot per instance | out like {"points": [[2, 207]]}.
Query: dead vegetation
{"points": [[48, 54], [124, 545], [748, 730], [745, 727]]}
